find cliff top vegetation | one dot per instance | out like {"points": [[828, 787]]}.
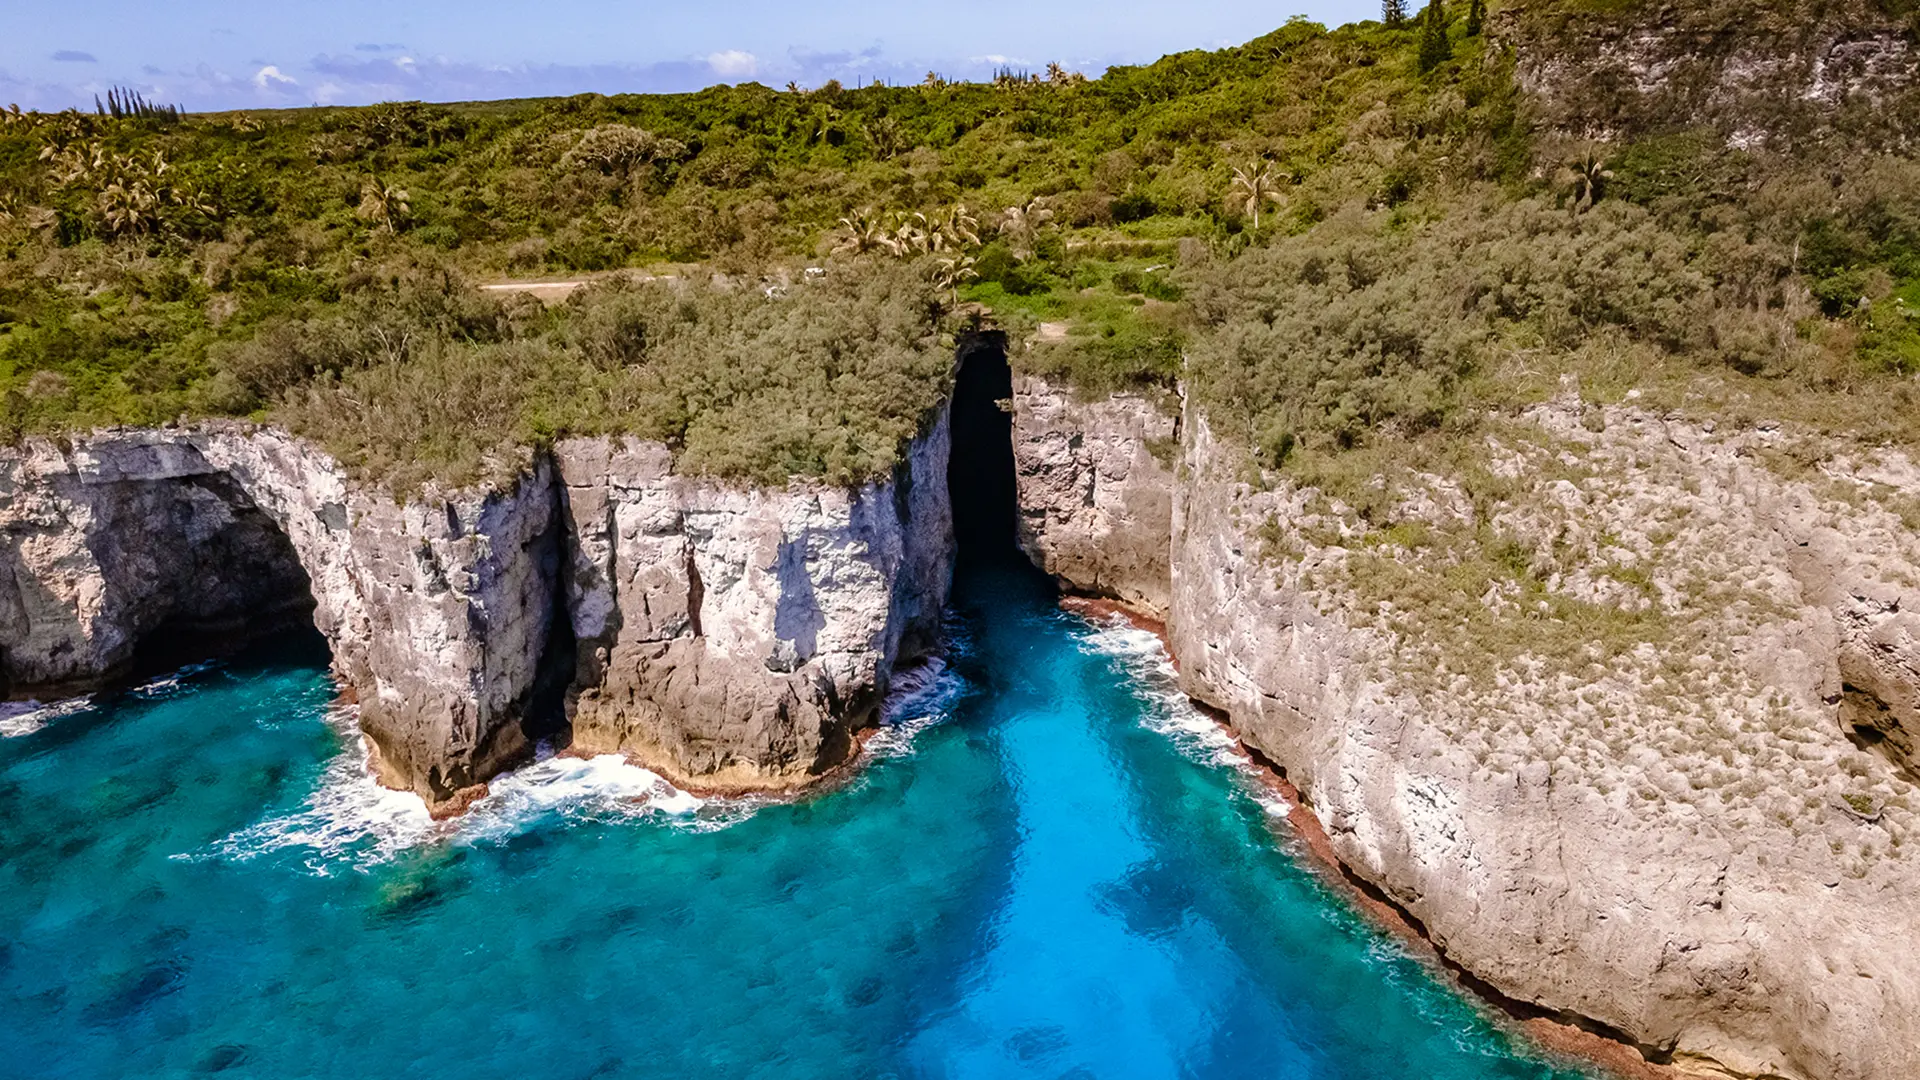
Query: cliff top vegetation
{"points": [[1341, 237]]}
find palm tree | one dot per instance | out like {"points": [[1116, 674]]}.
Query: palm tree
{"points": [[886, 137], [949, 274], [933, 81], [1021, 226], [954, 230], [129, 206], [1586, 179], [385, 205], [859, 233], [1253, 186], [910, 234], [822, 124]]}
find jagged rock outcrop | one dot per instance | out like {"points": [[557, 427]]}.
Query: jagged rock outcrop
{"points": [[1697, 839], [737, 638], [727, 637], [1096, 504], [437, 608]]}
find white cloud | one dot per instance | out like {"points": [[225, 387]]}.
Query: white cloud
{"points": [[997, 60], [270, 78], [734, 64]]}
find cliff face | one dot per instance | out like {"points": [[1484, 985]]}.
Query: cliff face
{"points": [[725, 637], [1696, 838], [738, 638], [126, 538], [437, 609], [1096, 504]]}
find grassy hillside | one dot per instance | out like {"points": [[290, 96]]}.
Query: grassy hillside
{"points": [[1351, 240]]}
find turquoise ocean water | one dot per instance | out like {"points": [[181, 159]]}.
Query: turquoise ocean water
{"points": [[1053, 868]]}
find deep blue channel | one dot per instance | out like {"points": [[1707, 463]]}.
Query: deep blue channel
{"points": [[1054, 877]]}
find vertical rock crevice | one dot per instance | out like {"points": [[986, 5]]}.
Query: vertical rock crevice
{"points": [[980, 469]]}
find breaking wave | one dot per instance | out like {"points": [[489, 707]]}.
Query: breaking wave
{"points": [[350, 820], [920, 697], [1142, 658], [19, 718]]}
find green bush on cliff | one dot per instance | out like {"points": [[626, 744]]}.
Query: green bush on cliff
{"points": [[829, 380]]}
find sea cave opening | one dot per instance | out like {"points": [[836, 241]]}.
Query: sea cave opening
{"points": [[233, 587], [980, 476]]}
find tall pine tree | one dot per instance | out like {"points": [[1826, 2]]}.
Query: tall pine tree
{"points": [[1435, 47], [1393, 12], [1476, 17]]}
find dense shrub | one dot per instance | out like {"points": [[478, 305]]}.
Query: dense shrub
{"points": [[1358, 326], [828, 381], [296, 263]]}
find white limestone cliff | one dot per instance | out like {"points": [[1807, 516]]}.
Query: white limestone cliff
{"points": [[1700, 842]]}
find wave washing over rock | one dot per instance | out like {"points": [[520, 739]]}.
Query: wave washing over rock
{"points": [[352, 821]]}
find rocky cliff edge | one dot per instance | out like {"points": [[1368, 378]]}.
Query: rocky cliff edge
{"points": [[728, 638]]}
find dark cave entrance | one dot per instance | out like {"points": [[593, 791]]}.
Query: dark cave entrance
{"points": [[190, 569], [234, 589], [980, 479]]}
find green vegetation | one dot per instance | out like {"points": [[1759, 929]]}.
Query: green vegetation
{"points": [[829, 380], [1343, 239]]}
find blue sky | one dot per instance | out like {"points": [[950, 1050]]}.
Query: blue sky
{"points": [[206, 55]]}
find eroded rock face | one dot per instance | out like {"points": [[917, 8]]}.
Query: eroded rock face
{"points": [[729, 638], [737, 638], [123, 538], [1096, 503], [1783, 76], [437, 608], [1689, 839]]}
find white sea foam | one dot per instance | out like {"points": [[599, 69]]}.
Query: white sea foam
{"points": [[166, 686], [19, 718], [920, 697], [349, 817], [601, 788], [1143, 657], [350, 821]]}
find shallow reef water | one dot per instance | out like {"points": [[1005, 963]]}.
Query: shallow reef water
{"points": [[1051, 867]]}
